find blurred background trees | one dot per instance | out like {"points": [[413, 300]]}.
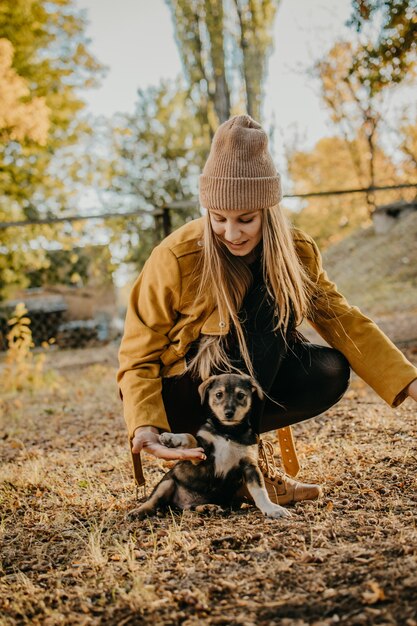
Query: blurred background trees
{"points": [[224, 47], [53, 156], [143, 160], [23, 116], [391, 53], [358, 80], [45, 62], [158, 152], [160, 149]]}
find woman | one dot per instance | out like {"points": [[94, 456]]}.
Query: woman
{"points": [[225, 293]]}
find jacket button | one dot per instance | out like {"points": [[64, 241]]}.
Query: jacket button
{"points": [[222, 324]]}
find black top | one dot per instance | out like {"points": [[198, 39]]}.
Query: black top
{"points": [[266, 346]]}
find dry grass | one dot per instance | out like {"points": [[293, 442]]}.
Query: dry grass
{"points": [[69, 557], [377, 272]]}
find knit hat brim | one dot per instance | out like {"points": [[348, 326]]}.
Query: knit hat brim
{"points": [[234, 194]]}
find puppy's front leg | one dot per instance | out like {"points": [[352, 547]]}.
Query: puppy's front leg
{"points": [[178, 440], [256, 487]]}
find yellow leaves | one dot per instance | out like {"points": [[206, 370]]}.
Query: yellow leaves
{"points": [[20, 119], [23, 369], [75, 278], [335, 163], [20, 336], [23, 320], [19, 311]]}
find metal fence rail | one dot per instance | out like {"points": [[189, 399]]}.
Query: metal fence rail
{"points": [[164, 212]]}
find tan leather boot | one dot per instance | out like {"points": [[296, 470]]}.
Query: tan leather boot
{"points": [[281, 488]]}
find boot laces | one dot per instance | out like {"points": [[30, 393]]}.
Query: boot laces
{"points": [[266, 460]]}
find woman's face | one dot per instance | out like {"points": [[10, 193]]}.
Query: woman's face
{"points": [[240, 231]]}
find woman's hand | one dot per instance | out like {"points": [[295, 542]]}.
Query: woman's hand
{"points": [[412, 390], [147, 438]]}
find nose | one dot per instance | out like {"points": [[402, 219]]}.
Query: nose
{"points": [[232, 232], [229, 414]]}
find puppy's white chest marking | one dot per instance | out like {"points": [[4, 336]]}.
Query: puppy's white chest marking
{"points": [[228, 454]]}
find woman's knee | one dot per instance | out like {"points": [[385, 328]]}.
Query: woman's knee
{"points": [[335, 369], [327, 382], [313, 384]]}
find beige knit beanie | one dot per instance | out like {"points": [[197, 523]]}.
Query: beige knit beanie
{"points": [[239, 172]]}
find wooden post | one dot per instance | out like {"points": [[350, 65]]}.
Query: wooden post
{"points": [[166, 221], [158, 229]]}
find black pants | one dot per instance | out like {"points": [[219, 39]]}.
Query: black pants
{"points": [[309, 379]]}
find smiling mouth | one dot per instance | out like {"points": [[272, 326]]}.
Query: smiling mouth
{"points": [[236, 244]]}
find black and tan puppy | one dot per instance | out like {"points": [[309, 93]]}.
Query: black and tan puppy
{"points": [[230, 443]]}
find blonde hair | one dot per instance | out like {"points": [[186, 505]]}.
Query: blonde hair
{"points": [[228, 278]]}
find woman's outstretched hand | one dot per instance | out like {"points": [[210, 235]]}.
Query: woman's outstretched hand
{"points": [[147, 438]]}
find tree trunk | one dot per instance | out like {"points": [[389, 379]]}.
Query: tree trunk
{"points": [[220, 94]]}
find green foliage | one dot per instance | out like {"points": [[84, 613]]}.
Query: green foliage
{"points": [[51, 55], [78, 266], [159, 152], [38, 175], [391, 56]]}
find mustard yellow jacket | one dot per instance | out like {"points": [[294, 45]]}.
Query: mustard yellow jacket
{"points": [[163, 318]]}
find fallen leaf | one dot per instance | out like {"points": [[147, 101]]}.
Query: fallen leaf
{"points": [[374, 593]]}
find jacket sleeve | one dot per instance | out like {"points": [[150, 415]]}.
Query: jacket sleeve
{"points": [[369, 351], [151, 314]]}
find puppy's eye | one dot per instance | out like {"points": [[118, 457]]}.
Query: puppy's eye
{"points": [[219, 394], [240, 395]]}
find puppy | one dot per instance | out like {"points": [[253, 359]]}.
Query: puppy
{"points": [[231, 448]]}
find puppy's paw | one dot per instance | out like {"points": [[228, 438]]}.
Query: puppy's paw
{"points": [[276, 511], [208, 508], [172, 440], [140, 513]]}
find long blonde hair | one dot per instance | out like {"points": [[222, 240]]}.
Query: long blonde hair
{"points": [[228, 278]]}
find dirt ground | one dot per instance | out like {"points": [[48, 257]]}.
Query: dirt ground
{"points": [[69, 557]]}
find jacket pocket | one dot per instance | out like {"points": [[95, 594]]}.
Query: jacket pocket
{"points": [[214, 325]]}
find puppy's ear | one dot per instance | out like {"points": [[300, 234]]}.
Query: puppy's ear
{"points": [[257, 388], [204, 387]]}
